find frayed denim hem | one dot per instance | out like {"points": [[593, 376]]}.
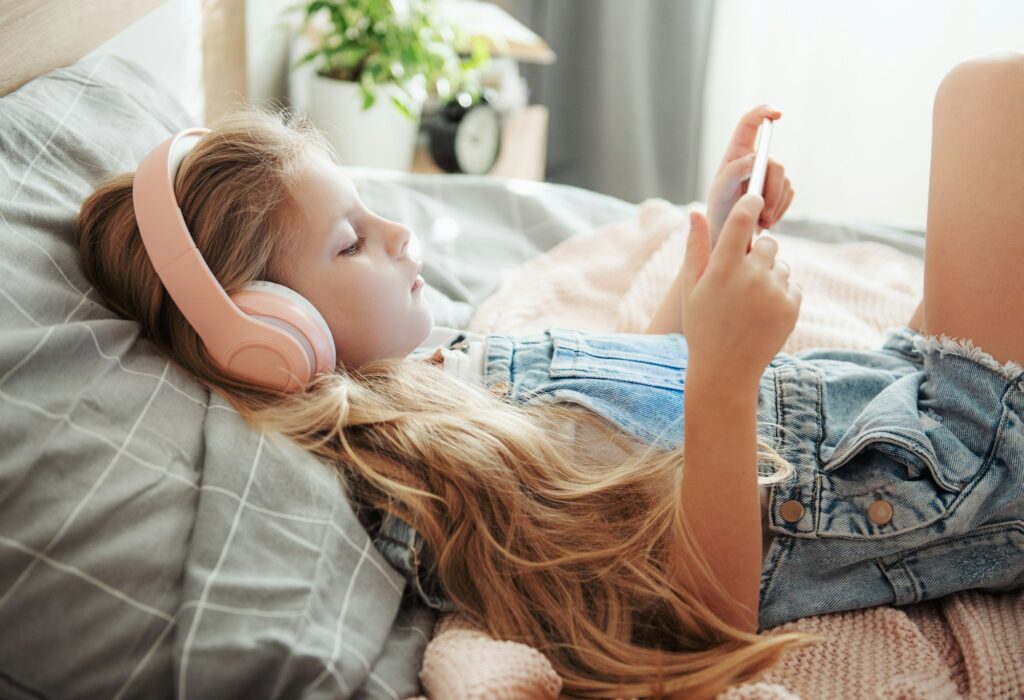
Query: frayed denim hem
{"points": [[965, 347]]}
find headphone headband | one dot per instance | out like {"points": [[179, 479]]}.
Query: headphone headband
{"points": [[181, 268], [257, 351]]}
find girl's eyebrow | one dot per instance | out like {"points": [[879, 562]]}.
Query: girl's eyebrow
{"points": [[333, 234], [348, 205], [339, 217]]}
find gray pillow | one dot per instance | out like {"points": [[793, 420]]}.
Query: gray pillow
{"points": [[151, 543]]}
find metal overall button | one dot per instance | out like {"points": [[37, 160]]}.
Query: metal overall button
{"points": [[880, 512], [792, 511]]}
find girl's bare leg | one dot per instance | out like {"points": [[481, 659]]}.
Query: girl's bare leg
{"points": [[916, 320], [974, 251]]}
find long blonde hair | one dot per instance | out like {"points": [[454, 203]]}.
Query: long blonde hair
{"points": [[532, 538]]}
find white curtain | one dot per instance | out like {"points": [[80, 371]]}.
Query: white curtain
{"points": [[855, 82]]}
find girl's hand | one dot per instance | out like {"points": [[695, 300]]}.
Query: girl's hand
{"points": [[734, 174], [739, 305]]}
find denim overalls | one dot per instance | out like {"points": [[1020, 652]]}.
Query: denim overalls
{"points": [[909, 459]]}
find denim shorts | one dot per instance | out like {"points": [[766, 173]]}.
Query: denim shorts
{"points": [[909, 475], [909, 459]]}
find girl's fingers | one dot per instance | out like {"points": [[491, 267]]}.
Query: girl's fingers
{"points": [[698, 250], [796, 292], [764, 250], [779, 212], [774, 182], [745, 135], [739, 170], [734, 238], [782, 268], [780, 196], [789, 199]]}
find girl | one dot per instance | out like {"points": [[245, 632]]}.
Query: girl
{"points": [[535, 484]]}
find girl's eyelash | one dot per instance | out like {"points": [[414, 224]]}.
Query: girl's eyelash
{"points": [[354, 248]]}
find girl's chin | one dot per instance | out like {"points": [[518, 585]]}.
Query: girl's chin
{"points": [[428, 324]]}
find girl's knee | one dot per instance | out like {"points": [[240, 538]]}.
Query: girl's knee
{"points": [[997, 75]]}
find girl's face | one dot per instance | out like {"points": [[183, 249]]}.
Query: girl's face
{"points": [[353, 266]]}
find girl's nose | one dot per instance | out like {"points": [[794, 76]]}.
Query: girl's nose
{"points": [[400, 237]]}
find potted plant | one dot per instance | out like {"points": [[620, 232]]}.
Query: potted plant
{"points": [[377, 63]]}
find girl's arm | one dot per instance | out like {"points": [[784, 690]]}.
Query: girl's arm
{"points": [[719, 488], [740, 308], [671, 315]]}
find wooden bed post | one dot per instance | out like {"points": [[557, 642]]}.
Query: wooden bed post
{"points": [[224, 60]]}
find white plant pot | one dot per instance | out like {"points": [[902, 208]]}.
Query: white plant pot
{"points": [[380, 137]]}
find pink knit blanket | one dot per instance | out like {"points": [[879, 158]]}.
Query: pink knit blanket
{"points": [[966, 645]]}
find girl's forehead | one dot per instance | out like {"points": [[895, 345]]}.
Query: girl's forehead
{"points": [[323, 176]]}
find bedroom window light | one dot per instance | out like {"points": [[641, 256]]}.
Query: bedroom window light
{"points": [[856, 83]]}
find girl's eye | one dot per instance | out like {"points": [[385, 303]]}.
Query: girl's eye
{"points": [[354, 248]]}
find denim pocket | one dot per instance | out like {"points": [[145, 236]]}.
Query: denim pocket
{"points": [[918, 459], [639, 358], [892, 425], [635, 381], [987, 558]]}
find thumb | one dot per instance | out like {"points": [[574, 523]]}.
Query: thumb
{"points": [[698, 251], [735, 236]]}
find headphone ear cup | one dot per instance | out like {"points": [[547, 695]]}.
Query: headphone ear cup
{"points": [[288, 310]]}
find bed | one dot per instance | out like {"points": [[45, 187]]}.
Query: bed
{"points": [[151, 543]]}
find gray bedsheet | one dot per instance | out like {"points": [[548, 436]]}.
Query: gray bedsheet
{"points": [[151, 543]]}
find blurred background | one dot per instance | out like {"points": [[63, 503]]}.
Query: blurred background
{"points": [[638, 98], [645, 94]]}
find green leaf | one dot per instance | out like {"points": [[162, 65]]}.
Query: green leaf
{"points": [[481, 51], [348, 56], [387, 49], [367, 86], [307, 58], [313, 7], [402, 108]]}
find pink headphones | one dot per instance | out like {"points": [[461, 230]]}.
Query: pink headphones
{"points": [[265, 334]]}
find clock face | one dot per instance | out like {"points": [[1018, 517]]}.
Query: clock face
{"points": [[477, 140]]}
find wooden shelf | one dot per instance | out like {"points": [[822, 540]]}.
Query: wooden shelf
{"points": [[523, 151]]}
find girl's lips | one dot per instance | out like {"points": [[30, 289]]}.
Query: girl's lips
{"points": [[417, 285]]}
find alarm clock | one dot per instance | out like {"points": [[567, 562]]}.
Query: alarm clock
{"points": [[465, 136]]}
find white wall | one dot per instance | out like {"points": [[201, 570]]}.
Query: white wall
{"points": [[268, 35], [855, 82], [168, 42]]}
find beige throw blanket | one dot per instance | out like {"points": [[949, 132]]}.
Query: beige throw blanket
{"points": [[967, 645], [615, 278]]}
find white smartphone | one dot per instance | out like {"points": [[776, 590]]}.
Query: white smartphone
{"points": [[757, 176]]}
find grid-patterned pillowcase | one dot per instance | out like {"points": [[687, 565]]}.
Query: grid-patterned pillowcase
{"points": [[150, 541]]}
